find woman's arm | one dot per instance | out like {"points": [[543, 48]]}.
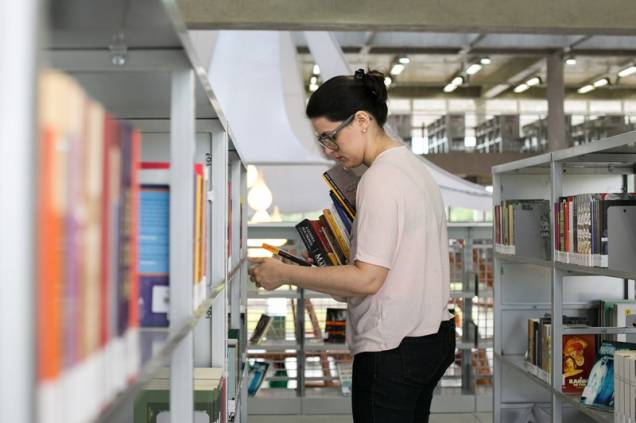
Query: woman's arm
{"points": [[354, 280]]}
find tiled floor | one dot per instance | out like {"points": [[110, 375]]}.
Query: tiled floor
{"points": [[435, 418]]}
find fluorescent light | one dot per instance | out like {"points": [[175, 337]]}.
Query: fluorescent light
{"points": [[397, 69], [585, 89], [627, 71], [313, 80], [473, 69], [313, 87], [449, 88], [404, 60], [458, 80], [601, 82], [521, 88], [485, 60], [316, 70], [388, 81], [571, 60], [533, 81]]}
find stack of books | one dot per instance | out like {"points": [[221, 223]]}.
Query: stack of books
{"points": [[86, 238], [581, 227], [328, 239], [527, 221]]}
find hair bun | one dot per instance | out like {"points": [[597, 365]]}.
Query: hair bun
{"points": [[374, 81]]}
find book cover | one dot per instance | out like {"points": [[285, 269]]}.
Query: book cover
{"points": [[331, 240], [154, 301], [316, 227], [578, 358], [312, 244], [256, 376], [599, 390], [261, 328]]}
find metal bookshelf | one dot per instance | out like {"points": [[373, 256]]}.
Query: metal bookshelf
{"points": [[526, 287], [467, 385], [152, 77]]}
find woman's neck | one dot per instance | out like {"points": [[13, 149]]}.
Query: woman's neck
{"points": [[378, 145]]}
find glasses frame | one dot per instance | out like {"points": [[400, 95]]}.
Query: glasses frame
{"points": [[328, 139]]}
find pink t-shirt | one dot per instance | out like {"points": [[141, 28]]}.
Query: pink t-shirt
{"points": [[400, 225]]}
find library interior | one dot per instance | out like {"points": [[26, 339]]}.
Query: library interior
{"points": [[165, 164]]}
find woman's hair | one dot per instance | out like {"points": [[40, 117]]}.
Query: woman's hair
{"points": [[344, 95]]}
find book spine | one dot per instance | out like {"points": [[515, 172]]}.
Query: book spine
{"points": [[339, 231], [331, 240], [351, 208], [310, 239], [346, 219], [322, 239]]}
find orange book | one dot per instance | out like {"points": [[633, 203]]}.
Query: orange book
{"points": [[198, 176], [135, 159]]}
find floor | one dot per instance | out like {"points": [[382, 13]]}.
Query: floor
{"points": [[435, 418]]}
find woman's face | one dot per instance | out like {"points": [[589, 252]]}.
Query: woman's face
{"points": [[350, 139]]}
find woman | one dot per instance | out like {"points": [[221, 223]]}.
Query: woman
{"points": [[397, 283]]}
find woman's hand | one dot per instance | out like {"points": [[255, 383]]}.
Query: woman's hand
{"points": [[267, 273]]}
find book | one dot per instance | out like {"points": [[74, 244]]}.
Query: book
{"points": [[317, 229], [344, 184], [578, 358], [312, 243], [154, 301], [332, 243], [276, 329], [256, 376], [261, 328], [347, 220], [341, 237], [599, 390], [335, 325]]}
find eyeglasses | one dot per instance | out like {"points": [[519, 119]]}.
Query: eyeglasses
{"points": [[328, 139]]}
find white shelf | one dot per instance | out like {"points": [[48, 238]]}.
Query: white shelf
{"points": [[597, 271], [539, 376], [523, 260]]}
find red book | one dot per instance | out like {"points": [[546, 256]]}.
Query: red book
{"points": [[135, 157], [317, 228], [566, 211], [109, 128]]}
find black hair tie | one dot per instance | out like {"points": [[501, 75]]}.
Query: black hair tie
{"points": [[359, 74]]}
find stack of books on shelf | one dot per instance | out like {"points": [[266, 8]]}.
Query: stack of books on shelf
{"points": [[328, 239], [581, 228], [154, 244], [625, 386], [618, 313], [527, 221], [86, 257], [336, 325], [153, 405], [577, 358]]}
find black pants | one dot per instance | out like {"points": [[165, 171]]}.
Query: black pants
{"points": [[397, 385]]}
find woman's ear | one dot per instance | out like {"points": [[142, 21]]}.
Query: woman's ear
{"points": [[363, 119]]}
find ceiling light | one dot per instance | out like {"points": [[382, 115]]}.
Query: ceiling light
{"points": [[533, 81], [473, 69], [388, 81], [601, 82], [404, 60], [521, 88], [313, 87], [316, 70], [449, 88], [485, 60], [397, 69], [313, 80], [585, 89], [570, 60], [627, 71], [458, 80]]}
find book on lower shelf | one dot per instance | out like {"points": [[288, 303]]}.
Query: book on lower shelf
{"points": [[578, 351], [153, 404], [261, 328], [86, 252], [625, 385], [527, 221], [599, 391], [582, 229], [336, 325]]}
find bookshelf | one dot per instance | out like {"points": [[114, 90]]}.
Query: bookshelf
{"points": [[467, 388], [151, 78], [446, 134], [498, 134], [528, 287]]}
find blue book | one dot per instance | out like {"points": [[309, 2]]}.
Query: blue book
{"points": [[599, 390], [154, 301], [341, 212]]}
